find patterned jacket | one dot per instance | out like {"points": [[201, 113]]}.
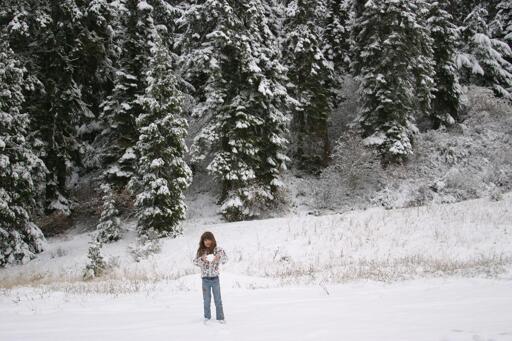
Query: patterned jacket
{"points": [[211, 269]]}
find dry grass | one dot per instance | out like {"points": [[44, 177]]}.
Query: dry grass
{"points": [[116, 281], [392, 270]]}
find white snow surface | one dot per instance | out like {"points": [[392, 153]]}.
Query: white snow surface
{"points": [[427, 310], [439, 272]]}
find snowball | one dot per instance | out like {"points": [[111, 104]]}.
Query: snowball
{"points": [[210, 258]]}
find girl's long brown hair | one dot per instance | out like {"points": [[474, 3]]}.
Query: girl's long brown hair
{"points": [[202, 249]]}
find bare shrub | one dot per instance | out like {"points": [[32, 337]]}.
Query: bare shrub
{"points": [[463, 185], [423, 196], [480, 99], [125, 201], [355, 169], [87, 201], [146, 245], [346, 111], [59, 252], [55, 223], [496, 194], [451, 153]]}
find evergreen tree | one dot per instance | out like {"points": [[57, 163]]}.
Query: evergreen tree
{"points": [[121, 108], [96, 265], [109, 228], [460, 9], [163, 175], [97, 54], [337, 35], [447, 92], [58, 106], [168, 13], [199, 20], [502, 30], [422, 54], [483, 58], [65, 48], [310, 73], [391, 59], [242, 98], [503, 22], [20, 168]]}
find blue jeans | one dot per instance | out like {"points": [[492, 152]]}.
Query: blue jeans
{"points": [[211, 284]]}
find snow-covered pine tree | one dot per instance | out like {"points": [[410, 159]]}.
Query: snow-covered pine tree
{"points": [[447, 92], [337, 35], [391, 59], [243, 98], [503, 22], [96, 265], [44, 33], [97, 53], [168, 13], [311, 75], [163, 175], [64, 45], [423, 60], [482, 59], [108, 229], [133, 38], [502, 29], [459, 9], [199, 20], [20, 168]]}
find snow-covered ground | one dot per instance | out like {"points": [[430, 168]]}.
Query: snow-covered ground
{"points": [[330, 277], [429, 310]]}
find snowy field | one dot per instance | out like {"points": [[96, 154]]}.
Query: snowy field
{"points": [[440, 272], [418, 310]]}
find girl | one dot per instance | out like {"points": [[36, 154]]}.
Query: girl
{"points": [[208, 258]]}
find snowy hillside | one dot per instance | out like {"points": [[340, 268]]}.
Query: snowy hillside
{"points": [[465, 238], [468, 238], [317, 265]]}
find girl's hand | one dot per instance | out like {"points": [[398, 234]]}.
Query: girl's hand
{"points": [[203, 258], [217, 258]]}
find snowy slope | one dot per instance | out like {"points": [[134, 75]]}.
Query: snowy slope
{"points": [[330, 277], [468, 238]]}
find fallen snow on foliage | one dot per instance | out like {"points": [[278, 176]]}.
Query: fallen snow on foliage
{"points": [[469, 160]]}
